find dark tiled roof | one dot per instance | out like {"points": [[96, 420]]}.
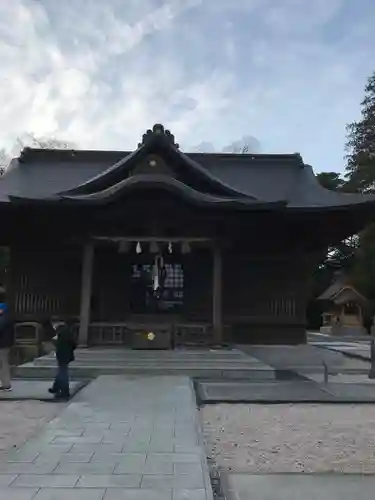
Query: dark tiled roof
{"points": [[340, 284], [342, 294], [334, 288], [261, 179]]}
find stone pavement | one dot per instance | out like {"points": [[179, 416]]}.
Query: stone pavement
{"points": [[19, 420], [32, 389], [359, 350], [308, 358], [121, 438], [324, 337], [354, 347], [300, 487]]}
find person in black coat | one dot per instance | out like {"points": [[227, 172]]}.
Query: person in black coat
{"points": [[65, 344], [6, 342]]}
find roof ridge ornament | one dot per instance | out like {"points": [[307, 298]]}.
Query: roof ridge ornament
{"points": [[158, 131]]}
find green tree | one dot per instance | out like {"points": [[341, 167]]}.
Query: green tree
{"points": [[342, 254], [331, 180], [363, 269], [360, 175], [360, 169]]}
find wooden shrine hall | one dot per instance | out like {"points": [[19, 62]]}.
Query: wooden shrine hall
{"points": [[160, 248]]}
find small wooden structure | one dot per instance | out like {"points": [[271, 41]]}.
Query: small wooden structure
{"points": [[233, 238], [345, 308]]}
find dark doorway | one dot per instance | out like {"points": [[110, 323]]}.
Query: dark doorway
{"points": [[172, 295]]}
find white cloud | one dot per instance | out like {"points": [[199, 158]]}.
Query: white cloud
{"points": [[247, 143], [52, 87], [296, 16], [99, 73]]}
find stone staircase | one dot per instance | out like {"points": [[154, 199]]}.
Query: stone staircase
{"points": [[201, 363]]}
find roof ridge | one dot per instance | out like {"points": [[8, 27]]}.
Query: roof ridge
{"points": [[30, 153]]}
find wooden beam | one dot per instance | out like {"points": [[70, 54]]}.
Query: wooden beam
{"points": [[217, 318], [145, 239], [86, 289]]}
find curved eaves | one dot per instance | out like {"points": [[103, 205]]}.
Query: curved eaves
{"points": [[308, 193], [117, 172], [157, 181], [110, 176], [205, 174]]}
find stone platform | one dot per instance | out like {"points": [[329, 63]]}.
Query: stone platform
{"points": [[276, 392], [199, 363], [120, 438], [300, 486]]}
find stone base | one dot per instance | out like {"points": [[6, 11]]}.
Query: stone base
{"points": [[348, 331], [326, 330]]}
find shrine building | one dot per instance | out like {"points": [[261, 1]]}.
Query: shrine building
{"points": [[160, 248]]}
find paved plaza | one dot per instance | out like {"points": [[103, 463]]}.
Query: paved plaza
{"points": [[133, 439]]}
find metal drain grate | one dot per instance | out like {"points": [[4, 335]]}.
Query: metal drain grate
{"points": [[216, 485]]}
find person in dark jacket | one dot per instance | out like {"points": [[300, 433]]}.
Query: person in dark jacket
{"points": [[65, 345], [6, 342]]}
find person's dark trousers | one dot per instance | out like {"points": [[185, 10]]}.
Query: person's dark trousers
{"points": [[61, 384]]}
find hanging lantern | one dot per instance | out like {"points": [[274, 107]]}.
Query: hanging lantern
{"points": [[170, 247], [154, 247], [185, 247], [123, 246], [138, 248]]}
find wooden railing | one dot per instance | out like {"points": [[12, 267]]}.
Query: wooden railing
{"points": [[109, 333], [33, 303], [122, 333], [283, 306], [193, 334]]}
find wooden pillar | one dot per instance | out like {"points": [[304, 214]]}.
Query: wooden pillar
{"points": [[86, 289], [217, 296]]}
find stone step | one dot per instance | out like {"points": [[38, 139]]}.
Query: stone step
{"points": [[150, 362], [92, 362], [29, 370], [175, 355], [160, 357]]}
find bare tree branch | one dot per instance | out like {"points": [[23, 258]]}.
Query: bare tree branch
{"points": [[31, 141]]}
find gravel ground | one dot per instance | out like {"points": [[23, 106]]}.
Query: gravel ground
{"points": [[291, 438], [19, 420]]}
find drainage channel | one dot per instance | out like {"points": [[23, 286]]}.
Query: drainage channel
{"points": [[216, 484]]}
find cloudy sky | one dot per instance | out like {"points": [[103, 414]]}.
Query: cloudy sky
{"points": [[288, 74]]}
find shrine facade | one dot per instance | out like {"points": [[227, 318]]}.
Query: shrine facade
{"points": [[160, 248]]}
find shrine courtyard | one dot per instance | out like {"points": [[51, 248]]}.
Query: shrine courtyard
{"points": [[224, 423], [151, 254]]}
